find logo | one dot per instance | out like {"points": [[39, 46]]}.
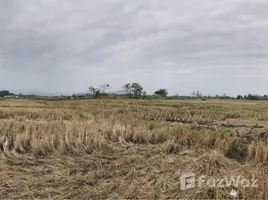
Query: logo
{"points": [[190, 180]]}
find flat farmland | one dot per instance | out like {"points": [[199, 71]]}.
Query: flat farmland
{"points": [[134, 149]]}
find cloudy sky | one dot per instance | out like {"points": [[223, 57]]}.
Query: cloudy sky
{"points": [[65, 45]]}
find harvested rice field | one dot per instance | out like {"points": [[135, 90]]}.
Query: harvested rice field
{"points": [[132, 149]]}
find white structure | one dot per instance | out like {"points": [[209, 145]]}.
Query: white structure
{"points": [[11, 96]]}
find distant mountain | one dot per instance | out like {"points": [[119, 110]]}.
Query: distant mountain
{"points": [[117, 92], [39, 93]]}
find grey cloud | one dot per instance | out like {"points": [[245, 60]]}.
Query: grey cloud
{"points": [[72, 44]]}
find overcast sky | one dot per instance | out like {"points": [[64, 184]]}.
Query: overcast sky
{"points": [[184, 45]]}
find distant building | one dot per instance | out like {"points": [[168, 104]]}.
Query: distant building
{"points": [[11, 96]]}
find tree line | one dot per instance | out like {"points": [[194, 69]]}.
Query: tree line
{"points": [[253, 97], [135, 90], [132, 90], [5, 93]]}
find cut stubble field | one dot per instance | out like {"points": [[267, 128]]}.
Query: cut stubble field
{"points": [[118, 149]]}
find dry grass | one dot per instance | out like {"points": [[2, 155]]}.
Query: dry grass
{"points": [[129, 148]]}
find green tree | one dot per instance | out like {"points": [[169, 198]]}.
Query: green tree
{"points": [[136, 89], [127, 88], [239, 97], [4, 93], [95, 92], [161, 92]]}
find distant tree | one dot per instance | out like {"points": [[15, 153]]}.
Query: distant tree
{"points": [[161, 92], [136, 89], [104, 88], [197, 94], [144, 94], [265, 96], [91, 90], [127, 88], [239, 97], [223, 96], [5, 93], [254, 97], [74, 96], [95, 92]]}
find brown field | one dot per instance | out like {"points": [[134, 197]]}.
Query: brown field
{"points": [[134, 149]]}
